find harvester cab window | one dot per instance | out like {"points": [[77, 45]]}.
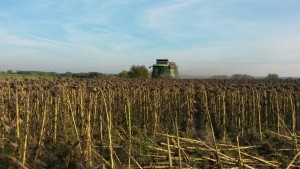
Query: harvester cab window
{"points": [[162, 70]]}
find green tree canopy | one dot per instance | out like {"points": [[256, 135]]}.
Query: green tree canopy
{"points": [[138, 72], [241, 76], [67, 74], [9, 71], [123, 74], [272, 76]]}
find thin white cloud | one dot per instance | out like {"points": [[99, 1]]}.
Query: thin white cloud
{"points": [[42, 5], [38, 53], [174, 19], [7, 18]]}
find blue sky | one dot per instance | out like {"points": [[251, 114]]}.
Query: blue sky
{"points": [[204, 37]]}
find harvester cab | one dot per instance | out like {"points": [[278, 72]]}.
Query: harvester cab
{"points": [[163, 69]]}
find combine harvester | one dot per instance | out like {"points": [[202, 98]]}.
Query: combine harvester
{"points": [[164, 69]]}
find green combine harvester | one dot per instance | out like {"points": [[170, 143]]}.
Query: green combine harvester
{"points": [[164, 69]]}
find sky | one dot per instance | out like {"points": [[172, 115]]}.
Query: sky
{"points": [[204, 37]]}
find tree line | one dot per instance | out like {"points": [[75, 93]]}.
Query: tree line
{"points": [[270, 76], [135, 71], [55, 74]]}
